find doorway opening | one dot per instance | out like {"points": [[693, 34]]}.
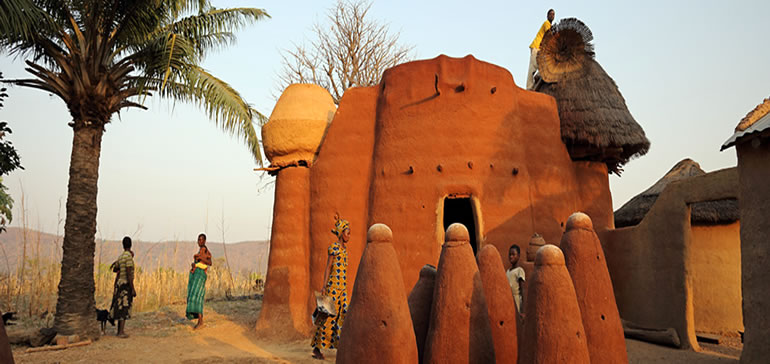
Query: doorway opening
{"points": [[460, 209]]}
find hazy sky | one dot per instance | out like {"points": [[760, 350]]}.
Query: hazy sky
{"points": [[689, 71]]}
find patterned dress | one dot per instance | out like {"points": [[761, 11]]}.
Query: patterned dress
{"points": [[122, 297], [327, 335]]}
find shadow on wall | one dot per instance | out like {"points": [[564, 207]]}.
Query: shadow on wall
{"points": [[651, 264]]}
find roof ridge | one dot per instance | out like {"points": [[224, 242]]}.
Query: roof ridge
{"points": [[761, 110]]}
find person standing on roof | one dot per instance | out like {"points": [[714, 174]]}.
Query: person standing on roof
{"points": [[535, 46]]}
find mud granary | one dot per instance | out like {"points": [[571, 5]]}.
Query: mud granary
{"points": [[438, 141]]}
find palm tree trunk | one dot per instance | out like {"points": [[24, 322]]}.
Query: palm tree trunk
{"points": [[75, 304]]}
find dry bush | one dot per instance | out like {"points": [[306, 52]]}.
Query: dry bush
{"points": [[31, 288], [350, 50], [33, 293]]}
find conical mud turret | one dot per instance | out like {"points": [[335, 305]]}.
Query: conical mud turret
{"points": [[420, 301], [459, 324], [500, 305], [588, 268], [378, 327], [553, 329]]}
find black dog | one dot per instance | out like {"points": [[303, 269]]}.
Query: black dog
{"points": [[8, 317], [103, 316]]}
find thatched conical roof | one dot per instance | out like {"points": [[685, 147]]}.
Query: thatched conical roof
{"points": [[595, 121], [709, 212]]}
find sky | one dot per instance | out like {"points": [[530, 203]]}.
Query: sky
{"points": [[689, 71]]}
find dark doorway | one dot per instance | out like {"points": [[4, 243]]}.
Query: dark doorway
{"points": [[461, 210]]}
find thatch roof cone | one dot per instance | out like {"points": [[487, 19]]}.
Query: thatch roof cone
{"points": [[709, 212], [595, 121]]}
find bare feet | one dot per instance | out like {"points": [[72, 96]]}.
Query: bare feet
{"points": [[317, 354], [123, 335], [198, 326]]}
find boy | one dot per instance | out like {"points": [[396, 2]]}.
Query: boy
{"points": [[516, 276]]}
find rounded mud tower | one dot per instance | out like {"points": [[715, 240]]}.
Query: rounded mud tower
{"points": [[553, 329], [420, 301], [291, 139], [378, 327], [588, 269], [459, 329], [284, 313], [500, 305]]}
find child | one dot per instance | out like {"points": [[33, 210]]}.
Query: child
{"points": [[516, 276]]}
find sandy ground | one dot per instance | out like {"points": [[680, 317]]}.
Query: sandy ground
{"points": [[166, 337]]}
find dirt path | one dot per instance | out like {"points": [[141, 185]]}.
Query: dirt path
{"points": [[166, 337]]}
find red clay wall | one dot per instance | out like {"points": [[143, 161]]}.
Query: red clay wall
{"points": [[339, 182], [716, 278], [495, 142]]}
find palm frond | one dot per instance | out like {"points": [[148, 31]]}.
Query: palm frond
{"points": [[213, 28], [219, 100], [22, 24]]}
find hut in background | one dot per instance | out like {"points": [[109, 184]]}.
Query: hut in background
{"points": [[752, 144], [715, 251], [595, 122], [722, 212]]}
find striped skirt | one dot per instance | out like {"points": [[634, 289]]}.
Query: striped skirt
{"points": [[196, 292]]}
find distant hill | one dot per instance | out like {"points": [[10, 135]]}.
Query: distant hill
{"points": [[243, 256]]}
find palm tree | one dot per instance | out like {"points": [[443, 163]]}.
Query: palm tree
{"points": [[103, 56]]}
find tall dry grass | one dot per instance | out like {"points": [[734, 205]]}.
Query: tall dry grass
{"points": [[32, 291]]}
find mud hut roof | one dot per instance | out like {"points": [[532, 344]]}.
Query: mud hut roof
{"points": [[595, 121], [755, 124], [703, 213]]}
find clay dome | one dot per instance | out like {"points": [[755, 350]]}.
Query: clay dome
{"points": [[379, 233], [579, 220], [534, 244], [428, 270], [297, 125], [457, 234], [549, 255]]}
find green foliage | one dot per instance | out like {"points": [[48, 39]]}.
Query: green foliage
{"points": [[104, 56], [3, 95], [9, 161], [6, 204], [9, 158]]}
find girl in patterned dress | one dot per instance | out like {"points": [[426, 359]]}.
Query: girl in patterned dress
{"points": [[327, 335]]}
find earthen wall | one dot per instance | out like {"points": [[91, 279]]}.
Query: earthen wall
{"points": [[754, 174], [716, 264]]}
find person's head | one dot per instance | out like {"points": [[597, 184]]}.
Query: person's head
{"points": [[341, 229], [126, 243], [513, 254], [551, 15], [345, 235], [201, 239]]}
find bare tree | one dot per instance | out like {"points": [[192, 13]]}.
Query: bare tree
{"points": [[349, 50]]}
